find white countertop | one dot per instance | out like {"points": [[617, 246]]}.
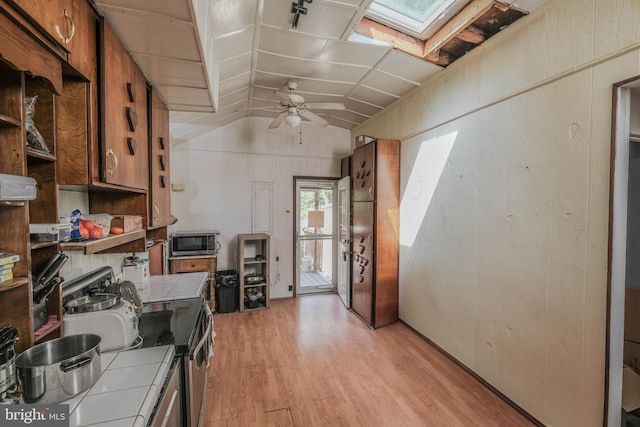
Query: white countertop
{"points": [[127, 390], [171, 287]]}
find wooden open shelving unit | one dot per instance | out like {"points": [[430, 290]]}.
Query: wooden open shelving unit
{"points": [[253, 257]]}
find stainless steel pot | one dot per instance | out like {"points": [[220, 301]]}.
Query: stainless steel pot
{"points": [[8, 372], [8, 336], [57, 370]]}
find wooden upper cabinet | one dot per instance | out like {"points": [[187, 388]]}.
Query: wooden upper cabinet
{"points": [[124, 148], [83, 52], [363, 173], [159, 195], [71, 24], [24, 53]]}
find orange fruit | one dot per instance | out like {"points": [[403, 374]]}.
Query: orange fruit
{"points": [[88, 224], [84, 233], [117, 230]]}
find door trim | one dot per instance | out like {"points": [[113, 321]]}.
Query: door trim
{"points": [[294, 229], [617, 248]]}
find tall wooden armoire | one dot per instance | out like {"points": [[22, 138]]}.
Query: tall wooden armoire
{"points": [[375, 173]]}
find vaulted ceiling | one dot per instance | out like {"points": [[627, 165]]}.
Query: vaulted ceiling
{"points": [[216, 61]]}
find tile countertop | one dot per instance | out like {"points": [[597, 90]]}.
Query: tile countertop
{"points": [[171, 287], [127, 390]]}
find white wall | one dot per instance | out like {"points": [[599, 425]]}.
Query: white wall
{"points": [[507, 268], [218, 169]]}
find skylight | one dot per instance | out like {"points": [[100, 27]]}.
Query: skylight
{"points": [[409, 16]]}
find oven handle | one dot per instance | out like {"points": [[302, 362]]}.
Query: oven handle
{"points": [[167, 416], [205, 338]]}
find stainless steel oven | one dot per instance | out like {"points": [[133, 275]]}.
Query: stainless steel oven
{"points": [[195, 363], [186, 324], [167, 412]]}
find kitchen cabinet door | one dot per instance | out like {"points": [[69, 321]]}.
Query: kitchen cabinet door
{"points": [[83, 51], [363, 173], [159, 194], [363, 260], [54, 17], [124, 146], [71, 24]]}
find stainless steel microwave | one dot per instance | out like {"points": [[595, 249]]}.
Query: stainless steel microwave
{"points": [[185, 243]]}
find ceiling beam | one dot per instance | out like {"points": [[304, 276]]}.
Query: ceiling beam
{"points": [[399, 40], [472, 34], [455, 26]]}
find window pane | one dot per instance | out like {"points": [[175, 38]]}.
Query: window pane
{"points": [[419, 10]]}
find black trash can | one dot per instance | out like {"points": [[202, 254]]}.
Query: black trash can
{"points": [[227, 291]]}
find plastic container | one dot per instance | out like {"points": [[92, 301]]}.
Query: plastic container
{"points": [[227, 291], [17, 188]]}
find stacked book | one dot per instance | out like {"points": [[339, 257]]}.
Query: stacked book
{"points": [[7, 260]]}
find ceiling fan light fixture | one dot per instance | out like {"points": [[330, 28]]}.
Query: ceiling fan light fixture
{"points": [[293, 120]]}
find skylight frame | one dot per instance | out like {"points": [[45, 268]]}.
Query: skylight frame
{"points": [[412, 27]]}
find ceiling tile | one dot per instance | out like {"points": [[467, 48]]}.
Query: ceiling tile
{"points": [[371, 96], [330, 20], [245, 70], [228, 16], [361, 107], [277, 13], [260, 92], [297, 44], [235, 84], [162, 70], [309, 69], [172, 38], [387, 83], [182, 95], [235, 66], [233, 98], [352, 53], [353, 3], [349, 116], [171, 8], [408, 67], [233, 45]]}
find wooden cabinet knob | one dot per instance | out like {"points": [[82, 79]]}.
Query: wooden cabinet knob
{"points": [[131, 91], [132, 144], [132, 118]]}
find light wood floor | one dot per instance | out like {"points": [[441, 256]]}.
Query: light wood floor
{"points": [[310, 362]]}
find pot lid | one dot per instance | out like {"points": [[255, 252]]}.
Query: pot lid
{"points": [[90, 303]]}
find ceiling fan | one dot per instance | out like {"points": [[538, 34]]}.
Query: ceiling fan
{"points": [[296, 108]]}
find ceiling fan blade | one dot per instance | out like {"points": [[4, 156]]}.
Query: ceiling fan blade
{"points": [[325, 105], [313, 118], [275, 123], [289, 98]]}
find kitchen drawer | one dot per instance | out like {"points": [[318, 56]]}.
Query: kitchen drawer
{"points": [[188, 265]]}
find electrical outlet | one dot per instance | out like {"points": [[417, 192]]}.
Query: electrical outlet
{"points": [[290, 288], [277, 258]]}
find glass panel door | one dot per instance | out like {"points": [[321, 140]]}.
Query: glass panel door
{"points": [[316, 236]]}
